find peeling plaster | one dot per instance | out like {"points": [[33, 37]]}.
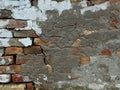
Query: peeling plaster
{"points": [[4, 42], [94, 8], [26, 41], [5, 33], [4, 78], [3, 23]]}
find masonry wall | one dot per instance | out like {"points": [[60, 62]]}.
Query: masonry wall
{"points": [[59, 45]]}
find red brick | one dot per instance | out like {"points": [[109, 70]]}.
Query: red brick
{"points": [[29, 86], [10, 69], [38, 41], [13, 50], [6, 60], [19, 78], [114, 23], [114, 0], [106, 52], [32, 50]]}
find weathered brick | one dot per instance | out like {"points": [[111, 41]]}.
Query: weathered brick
{"points": [[22, 59], [118, 53], [11, 23], [24, 33], [38, 41], [5, 78], [20, 78], [24, 42], [6, 60], [106, 52], [32, 50], [39, 87], [4, 13], [13, 50], [75, 51], [12, 86], [84, 60], [10, 69], [30, 86], [76, 43]]}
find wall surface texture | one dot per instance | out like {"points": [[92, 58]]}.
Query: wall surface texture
{"points": [[59, 44]]}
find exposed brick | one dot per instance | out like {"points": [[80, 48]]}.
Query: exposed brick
{"points": [[84, 60], [118, 53], [114, 0], [11, 23], [22, 59], [76, 43], [20, 78], [10, 69], [39, 87], [114, 23], [21, 42], [32, 50], [106, 52], [5, 78], [24, 33], [12, 87], [4, 13], [38, 41], [29, 86], [75, 51], [13, 50], [6, 60]]}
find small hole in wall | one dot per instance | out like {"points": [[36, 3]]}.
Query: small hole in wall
{"points": [[34, 2]]}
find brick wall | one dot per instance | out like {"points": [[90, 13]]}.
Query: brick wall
{"points": [[40, 45]]}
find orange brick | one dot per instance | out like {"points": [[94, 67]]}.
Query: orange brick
{"points": [[20, 78], [13, 50], [10, 69], [32, 50], [38, 41], [84, 60]]}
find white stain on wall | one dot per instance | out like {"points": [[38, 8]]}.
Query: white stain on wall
{"points": [[4, 42], [5, 33], [26, 41], [4, 78], [94, 8]]}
